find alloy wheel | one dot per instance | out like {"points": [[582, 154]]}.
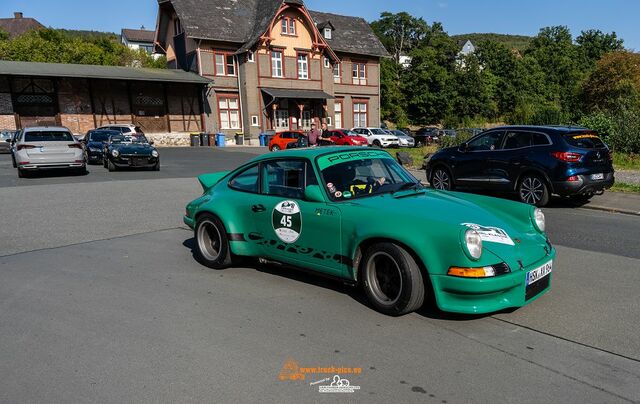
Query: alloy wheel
{"points": [[209, 240], [441, 180], [384, 278], [531, 190]]}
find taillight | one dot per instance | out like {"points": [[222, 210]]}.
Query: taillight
{"points": [[75, 146], [569, 157], [25, 146], [573, 178]]}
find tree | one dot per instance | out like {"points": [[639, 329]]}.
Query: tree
{"points": [[614, 81], [400, 32], [594, 44]]}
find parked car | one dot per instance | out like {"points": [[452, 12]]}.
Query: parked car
{"points": [[125, 129], [281, 139], [94, 142], [6, 137], [448, 132], [48, 147], [534, 161], [426, 136], [377, 137], [125, 151], [345, 137], [12, 147], [404, 140], [319, 209]]}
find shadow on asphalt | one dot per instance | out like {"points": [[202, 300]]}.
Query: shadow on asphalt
{"points": [[428, 310], [55, 173], [556, 202]]}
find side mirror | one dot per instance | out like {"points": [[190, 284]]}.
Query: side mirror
{"points": [[313, 193], [151, 142], [463, 147], [9, 140]]}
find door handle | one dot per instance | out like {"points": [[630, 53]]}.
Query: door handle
{"points": [[258, 208]]}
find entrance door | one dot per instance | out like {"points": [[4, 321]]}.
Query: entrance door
{"points": [[35, 102]]}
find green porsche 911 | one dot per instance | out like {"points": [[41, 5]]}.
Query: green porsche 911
{"points": [[359, 216]]}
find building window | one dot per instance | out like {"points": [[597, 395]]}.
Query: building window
{"points": [[276, 64], [336, 73], [254, 120], [327, 33], [288, 26], [225, 64], [251, 56], [329, 121], [327, 63], [306, 120], [282, 119], [229, 112], [360, 74], [177, 27], [359, 114], [338, 114], [303, 67]]}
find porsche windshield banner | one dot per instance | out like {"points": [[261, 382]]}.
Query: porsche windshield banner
{"points": [[337, 158], [287, 221]]}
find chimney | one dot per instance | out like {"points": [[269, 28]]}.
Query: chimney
{"points": [[17, 15]]}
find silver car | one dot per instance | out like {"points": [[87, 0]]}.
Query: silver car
{"points": [[43, 148], [403, 139], [5, 140]]}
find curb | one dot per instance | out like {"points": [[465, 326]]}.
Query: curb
{"points": [[610, 209]]}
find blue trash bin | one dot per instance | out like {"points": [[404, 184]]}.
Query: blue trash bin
{"points": [[220, 140], [262, 137]]}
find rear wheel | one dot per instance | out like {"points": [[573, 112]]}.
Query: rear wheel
{"points": [[112, 167], [441, 179], [212, 244], [13, 160], [377, 144], [275, 147], [533, 190], [22, 173], [392, 279]]}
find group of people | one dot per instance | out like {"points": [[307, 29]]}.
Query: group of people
{"points": [[318, 137]]}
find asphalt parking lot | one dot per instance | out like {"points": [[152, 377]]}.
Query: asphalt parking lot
{"points": [[102, 301]]}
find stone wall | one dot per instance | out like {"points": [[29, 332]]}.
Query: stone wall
{"points": [[7, 122]]}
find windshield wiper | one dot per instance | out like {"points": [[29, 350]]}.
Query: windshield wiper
{"points": [[409, 186]]}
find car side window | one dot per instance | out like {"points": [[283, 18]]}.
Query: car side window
{"points": [[517, 140], [246, 181], [486, 142], [539, 139], [284, 178]]}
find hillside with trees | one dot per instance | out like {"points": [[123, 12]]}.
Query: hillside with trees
{"points": [[557, 78]]}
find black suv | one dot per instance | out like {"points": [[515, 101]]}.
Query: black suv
{"points": [[534, 161]]}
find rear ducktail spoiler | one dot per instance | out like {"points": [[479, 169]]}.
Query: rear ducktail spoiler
{"points": [[209, 180]]}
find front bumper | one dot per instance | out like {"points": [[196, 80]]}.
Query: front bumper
{"points": [[94, 156], [385, 143], [134, 161], [584, 185], [49, 166], [189, 221], [488, 295]]}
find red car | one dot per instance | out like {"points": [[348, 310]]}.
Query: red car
{"points": [[281, 139], [344, 137]]}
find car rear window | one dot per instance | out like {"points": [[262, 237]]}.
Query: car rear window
{"points": [[585, 140], [48, 136]]}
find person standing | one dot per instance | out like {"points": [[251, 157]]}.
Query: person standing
{"points": [[314, 135]]}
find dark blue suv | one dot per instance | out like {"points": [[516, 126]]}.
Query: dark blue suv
{"points": [[534, 161]]}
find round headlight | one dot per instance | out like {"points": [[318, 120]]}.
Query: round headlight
{"points": [[538, 219], [154, 153], [473, 243], [115, 153]]}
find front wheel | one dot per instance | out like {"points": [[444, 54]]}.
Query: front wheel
{"points": [[112, 167], [212, 243], [392, 279], [533, 190], [275, 147], [441, 179], [377, 144]]}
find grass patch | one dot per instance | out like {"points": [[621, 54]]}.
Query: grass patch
{"points": [[623, 187], [624, 161], [417, 153]]}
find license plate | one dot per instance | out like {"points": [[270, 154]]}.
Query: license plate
{"points": [[137, 161], [535, 275], [597, 176]]}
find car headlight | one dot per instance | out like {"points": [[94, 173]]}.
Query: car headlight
{"points": [[539, 219], [154, 153], [115, 153], [473, 243]]}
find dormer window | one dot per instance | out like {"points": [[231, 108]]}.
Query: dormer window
{"points": [[327, 33]]}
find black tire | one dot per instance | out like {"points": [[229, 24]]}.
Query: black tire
{"points": [[112, 167], [392, 279], [376, 143], [81, 171], [441, 179], [212, 243], [13, 160], [22, 173], [533, 190], [275, 147], [157, 166], [104, 162]]}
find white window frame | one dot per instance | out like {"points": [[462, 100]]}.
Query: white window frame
{"points": [[337, 111], [303, 66], [360, 111], [306, 120], [226, 111], [281, 116], [327, 62], [329, 121], [221, 65], [251, 57], [233, 64], [254, 120], [292, 26], [337, 78], [327, 33], [276, 64], [359, 73]]}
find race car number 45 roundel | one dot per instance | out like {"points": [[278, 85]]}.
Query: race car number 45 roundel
{"points": [[287, 221]]}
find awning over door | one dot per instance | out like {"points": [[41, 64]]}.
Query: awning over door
{"points": [[295, 93]]}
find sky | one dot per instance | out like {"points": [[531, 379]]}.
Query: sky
{"points": [[524, 17]]}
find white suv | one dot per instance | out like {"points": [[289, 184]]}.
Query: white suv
{"points": [[44, 147], [378, 137]]}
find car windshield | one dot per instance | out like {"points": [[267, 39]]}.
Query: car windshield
{"points": [[353, 175], [351, 133], [117, 139], [378, 132], [99, 136], [48, 136], [585, 140]]}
